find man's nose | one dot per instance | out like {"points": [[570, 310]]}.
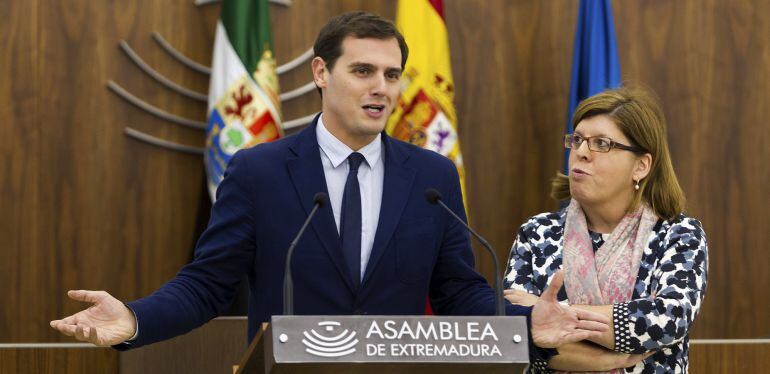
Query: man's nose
{"points": [[378, 85]]}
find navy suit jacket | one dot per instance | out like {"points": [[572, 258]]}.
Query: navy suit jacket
{"points": [[267, 193]]}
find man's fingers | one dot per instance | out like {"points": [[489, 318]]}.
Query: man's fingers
{"points": [[70, 320], [552, 290], [85, 295], [65, 329], [80, 333], [94, 336], [591, 316]]}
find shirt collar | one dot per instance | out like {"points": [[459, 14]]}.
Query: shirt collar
{"points": [[338, 152]]}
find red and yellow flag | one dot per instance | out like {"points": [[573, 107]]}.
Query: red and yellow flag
{"points": [[426, 114]]}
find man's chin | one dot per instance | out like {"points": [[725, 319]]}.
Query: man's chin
{"points": [[373, 127]]}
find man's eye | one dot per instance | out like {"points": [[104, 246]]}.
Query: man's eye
{"points": [[393, 76], [362, 71]]}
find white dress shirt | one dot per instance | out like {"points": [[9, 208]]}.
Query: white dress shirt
{"points": [[371, 176]]}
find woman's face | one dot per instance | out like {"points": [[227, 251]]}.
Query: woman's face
{"points": [[598, 179]]}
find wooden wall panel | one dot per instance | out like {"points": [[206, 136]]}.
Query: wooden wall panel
{"points": [[708, 61], [511, 65], [20, 172], [86, 207]]}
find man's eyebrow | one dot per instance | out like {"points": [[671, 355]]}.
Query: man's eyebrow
{"points": [[353, 65], [394, 70]]}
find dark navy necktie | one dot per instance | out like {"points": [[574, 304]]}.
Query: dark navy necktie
{"points": [[350, 221]]}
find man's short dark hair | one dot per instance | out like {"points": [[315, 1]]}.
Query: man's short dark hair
{"points": [[359, 24]]}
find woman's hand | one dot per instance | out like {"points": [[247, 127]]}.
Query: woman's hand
{"points": [[587, 356], [519, 297]]}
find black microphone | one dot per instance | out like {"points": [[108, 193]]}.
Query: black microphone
{"points": [[434, 197], [319, 200]]}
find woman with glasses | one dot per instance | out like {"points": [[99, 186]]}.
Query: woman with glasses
{"points": [[622, 241]]}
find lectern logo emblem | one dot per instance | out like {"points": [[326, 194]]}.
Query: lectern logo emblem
{"points": [[338, 345]]}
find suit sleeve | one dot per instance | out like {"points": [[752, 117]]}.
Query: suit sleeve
{"points": [[203, 288]]}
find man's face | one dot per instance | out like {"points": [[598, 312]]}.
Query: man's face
{"points": [[361, 90]]}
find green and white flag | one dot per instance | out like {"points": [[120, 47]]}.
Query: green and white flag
{"points": [[243, 107]]}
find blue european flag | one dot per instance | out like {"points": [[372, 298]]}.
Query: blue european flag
{"points": [[595, 62]]}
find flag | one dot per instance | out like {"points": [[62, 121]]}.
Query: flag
{"points": [[595, 61], [425, 115], [243, 104]]}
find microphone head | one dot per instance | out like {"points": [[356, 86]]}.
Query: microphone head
{"points": [[320, 198], [432, 195]]}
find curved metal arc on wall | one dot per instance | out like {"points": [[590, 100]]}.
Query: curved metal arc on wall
{"points": [[287, 125], [173, 146], [200, 96], [192, 64], [296, 61], [184, 60], [297, 92], [123, 93], [162, 143]]}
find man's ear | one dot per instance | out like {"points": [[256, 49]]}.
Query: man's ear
{"points": [[642, 168], [320, 73]]}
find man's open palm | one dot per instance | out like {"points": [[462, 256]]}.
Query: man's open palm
{"points": [[107, 322]]}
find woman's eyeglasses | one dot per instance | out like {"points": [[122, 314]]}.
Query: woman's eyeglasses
{"points": [[597, 143]]}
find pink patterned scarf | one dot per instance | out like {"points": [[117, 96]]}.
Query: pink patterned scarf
{"points": [[607, 276]]}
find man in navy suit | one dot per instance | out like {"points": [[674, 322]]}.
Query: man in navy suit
{"points": [[378, 247]]}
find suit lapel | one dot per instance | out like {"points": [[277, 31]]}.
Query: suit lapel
{"points": [[307, 175], [397, 185]]}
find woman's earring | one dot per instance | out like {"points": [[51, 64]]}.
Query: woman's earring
{"points": [[636, 186]]}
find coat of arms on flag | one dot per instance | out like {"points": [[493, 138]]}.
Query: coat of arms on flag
{"points": [[426, 115]]}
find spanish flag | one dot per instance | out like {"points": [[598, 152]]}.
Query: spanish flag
{"points": [[426, 115]]}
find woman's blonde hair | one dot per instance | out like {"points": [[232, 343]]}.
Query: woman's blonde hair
{"points": [[639, 116]]}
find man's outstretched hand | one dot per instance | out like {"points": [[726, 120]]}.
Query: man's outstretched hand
{"points": [[554, 324], [107, 322]]}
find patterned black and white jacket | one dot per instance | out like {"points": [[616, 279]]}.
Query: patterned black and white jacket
{"points": [[673, 268]]}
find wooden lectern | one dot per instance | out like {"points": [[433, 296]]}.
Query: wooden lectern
{"points": [[387, 344]]}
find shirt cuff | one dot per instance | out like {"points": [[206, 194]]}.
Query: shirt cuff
{"points": [[621, 327]]}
